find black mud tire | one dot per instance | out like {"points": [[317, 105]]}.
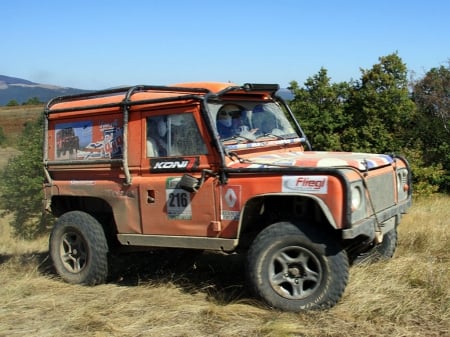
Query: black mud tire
{"points": [[381, 252], [297, 268], [79, 249]]}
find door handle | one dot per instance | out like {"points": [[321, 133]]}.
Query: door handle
{"points": [[150, 196]]}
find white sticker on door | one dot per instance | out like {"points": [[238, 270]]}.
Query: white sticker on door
{"points": [[178, 201]]}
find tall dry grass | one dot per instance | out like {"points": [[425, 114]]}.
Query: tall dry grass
{"points": [[160, 294]]}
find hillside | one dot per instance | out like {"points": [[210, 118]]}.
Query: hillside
{"points": [[13, 119], [21, 90]]}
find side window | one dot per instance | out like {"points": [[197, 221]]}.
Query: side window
{"points": [[174, 135], [156, 137]]}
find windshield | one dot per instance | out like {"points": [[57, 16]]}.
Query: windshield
{"points": [[250, 122]]}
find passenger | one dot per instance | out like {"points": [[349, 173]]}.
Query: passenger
{"points": [[161, 138], [263, 120]]}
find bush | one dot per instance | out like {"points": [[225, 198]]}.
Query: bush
{"points": [[21, 184], [427, 179]]}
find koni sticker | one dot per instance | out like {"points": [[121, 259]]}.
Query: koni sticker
{"points": [[180, 164], [86, 140], [305, 184], [230, 202], [178, 201]]}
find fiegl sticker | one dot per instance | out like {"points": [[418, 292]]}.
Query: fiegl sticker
{"points": [[305, 184]]}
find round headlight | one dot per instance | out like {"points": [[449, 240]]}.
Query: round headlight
{"points": [[356, 197], [402, 184]]}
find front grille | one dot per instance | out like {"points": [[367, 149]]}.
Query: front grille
{"points": [[382, 191]]}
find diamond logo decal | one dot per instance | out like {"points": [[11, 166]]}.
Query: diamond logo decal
{"points": [[230, 198]]}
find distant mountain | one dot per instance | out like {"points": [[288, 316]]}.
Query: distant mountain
{"points": [[285, 94], [14, 80], [20, 90]]}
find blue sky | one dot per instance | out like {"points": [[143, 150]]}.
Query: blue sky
{"points": [[100, 44]]}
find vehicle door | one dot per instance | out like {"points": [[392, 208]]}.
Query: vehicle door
{"points": [[175, 145]]}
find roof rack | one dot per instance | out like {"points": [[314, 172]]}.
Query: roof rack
{"points": [[125, 103], [126, 93]]}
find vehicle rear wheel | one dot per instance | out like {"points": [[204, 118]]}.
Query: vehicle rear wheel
{"points": [[79, 249], [296, 269]]}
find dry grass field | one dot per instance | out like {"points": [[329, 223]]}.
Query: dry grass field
{"points": [[13, 119], [12, 122], [162, 294]]}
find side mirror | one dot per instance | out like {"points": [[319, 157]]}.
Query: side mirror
{"points": [[189, 183], [192, 184]]}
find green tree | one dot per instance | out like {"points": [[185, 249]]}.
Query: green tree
{"points": [[319, 107], [12, 102], [380, 108], [33, 101], [432, 97], [21, 184]]}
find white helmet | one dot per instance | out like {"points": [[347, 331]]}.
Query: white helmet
{"points": [[227, 112]]}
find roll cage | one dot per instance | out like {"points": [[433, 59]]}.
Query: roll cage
{"points": [[126, 97]]}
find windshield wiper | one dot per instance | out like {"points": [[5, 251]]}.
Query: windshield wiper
{"points": [[269, 134], [234, 156], [236, 136]]}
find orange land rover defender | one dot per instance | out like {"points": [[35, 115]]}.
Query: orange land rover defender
{"points": [[215, 166]]}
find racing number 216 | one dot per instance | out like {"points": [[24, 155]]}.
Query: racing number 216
{"points": [[178, 199]]}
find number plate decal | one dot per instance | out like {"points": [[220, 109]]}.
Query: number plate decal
{"points": [[178, 201]]}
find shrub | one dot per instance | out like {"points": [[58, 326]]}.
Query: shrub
{"points": [[21, 184]]}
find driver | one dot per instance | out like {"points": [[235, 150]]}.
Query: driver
{"points": [[229, 120]]}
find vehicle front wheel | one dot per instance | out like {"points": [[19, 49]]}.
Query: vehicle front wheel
{"points": [[297, 268], [79, 249]]}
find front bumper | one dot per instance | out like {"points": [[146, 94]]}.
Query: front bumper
{"points": [[385, 221]]}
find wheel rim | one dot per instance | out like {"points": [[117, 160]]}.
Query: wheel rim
{"points": [[73, 252], [295, 272]]}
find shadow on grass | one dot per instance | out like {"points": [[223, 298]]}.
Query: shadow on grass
{"points": [[39, 259], [5, 258], [221, 277]]}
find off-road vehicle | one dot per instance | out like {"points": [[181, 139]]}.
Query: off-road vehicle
{"points": [[219, 167]]}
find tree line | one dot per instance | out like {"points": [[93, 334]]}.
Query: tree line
{"points": [[31, 101], [382, 112]]}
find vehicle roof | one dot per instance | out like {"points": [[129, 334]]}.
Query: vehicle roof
{"points": [[116, 96], [214, 87]]}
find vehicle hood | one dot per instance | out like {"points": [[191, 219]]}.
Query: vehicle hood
{"points": [[360, 161]]}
